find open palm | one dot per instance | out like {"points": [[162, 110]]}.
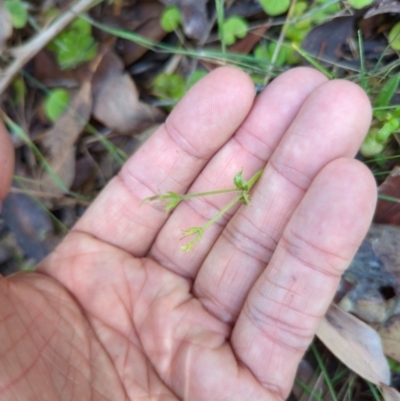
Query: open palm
{"points": [[118, 312]]}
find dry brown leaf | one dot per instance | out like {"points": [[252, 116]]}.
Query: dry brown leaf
{"points": [[61, 138], [390, 393], [390, 335], [354, 343], [388, 212], [116, 99], [194, 13]]}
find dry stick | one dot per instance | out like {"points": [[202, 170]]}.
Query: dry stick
{"points": [[27, 51]]}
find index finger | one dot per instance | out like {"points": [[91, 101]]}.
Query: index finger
{"points": [[169, 161]]}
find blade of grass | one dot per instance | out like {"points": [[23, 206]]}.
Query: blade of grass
{"points": [[363, 80], [219, 6], [324, 372], [25, 138], [374, 391], [312, 61]]}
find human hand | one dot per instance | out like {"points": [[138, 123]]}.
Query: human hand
{"points": [[118, 312]]}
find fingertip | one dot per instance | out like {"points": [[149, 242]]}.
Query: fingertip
{"points": [[358, 183], [6, 161], [351, 98], [306, 75]]}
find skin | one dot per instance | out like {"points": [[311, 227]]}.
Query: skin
{"points": [[118, 312]]}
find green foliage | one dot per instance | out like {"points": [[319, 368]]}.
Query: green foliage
{"points": [[75, 45], [169, 86], [394, 37], [275, 7], [56, 103], [171, 18], [387, 122], [358, 4], [18, 12], [385, 95], [265, 52], [234, 27], [240, 182]]}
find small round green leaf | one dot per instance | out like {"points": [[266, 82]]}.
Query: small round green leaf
{"points": [[394, 37], [234, 27], [169, 86], [358, 4], [170, 18], [19, 15], [56, 103], [275, 7]]}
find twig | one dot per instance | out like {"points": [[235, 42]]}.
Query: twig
{"points": [[27, 51]]}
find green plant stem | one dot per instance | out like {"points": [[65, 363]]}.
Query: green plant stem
{"points": [[255, 178], [324, 372], [243, 196], [208, 193], [223, 211], [312, 61]]}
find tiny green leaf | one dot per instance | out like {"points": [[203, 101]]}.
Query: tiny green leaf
{"points": [[385, 95], [75, 45], [198, 231], [246, 198], [173, 200], [394, 37], [358, 4], [275, 7], [169, 86], [387, 129], [371, 147], [18, 12], [240, 182], [56, 103], [234, 27], [170, 18], [266, 52]]}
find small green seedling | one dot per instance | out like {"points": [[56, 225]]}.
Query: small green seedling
{"points": [[55, 103], [358, 4], [18, 12], [75, 45], [172, 199], [171, 18], [169, 86], [234, 28], [386, 123], [275, 7], [264, 52], [394, 37], [173, 86]]}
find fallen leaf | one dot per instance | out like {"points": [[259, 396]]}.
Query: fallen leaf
{"points": [[384, 7], [246, 44], [388, 212], [325, 41], [194, 12], [354, 343], [61, 138], [30, 224], [390, 393], [390, 334], [116, 101]]}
